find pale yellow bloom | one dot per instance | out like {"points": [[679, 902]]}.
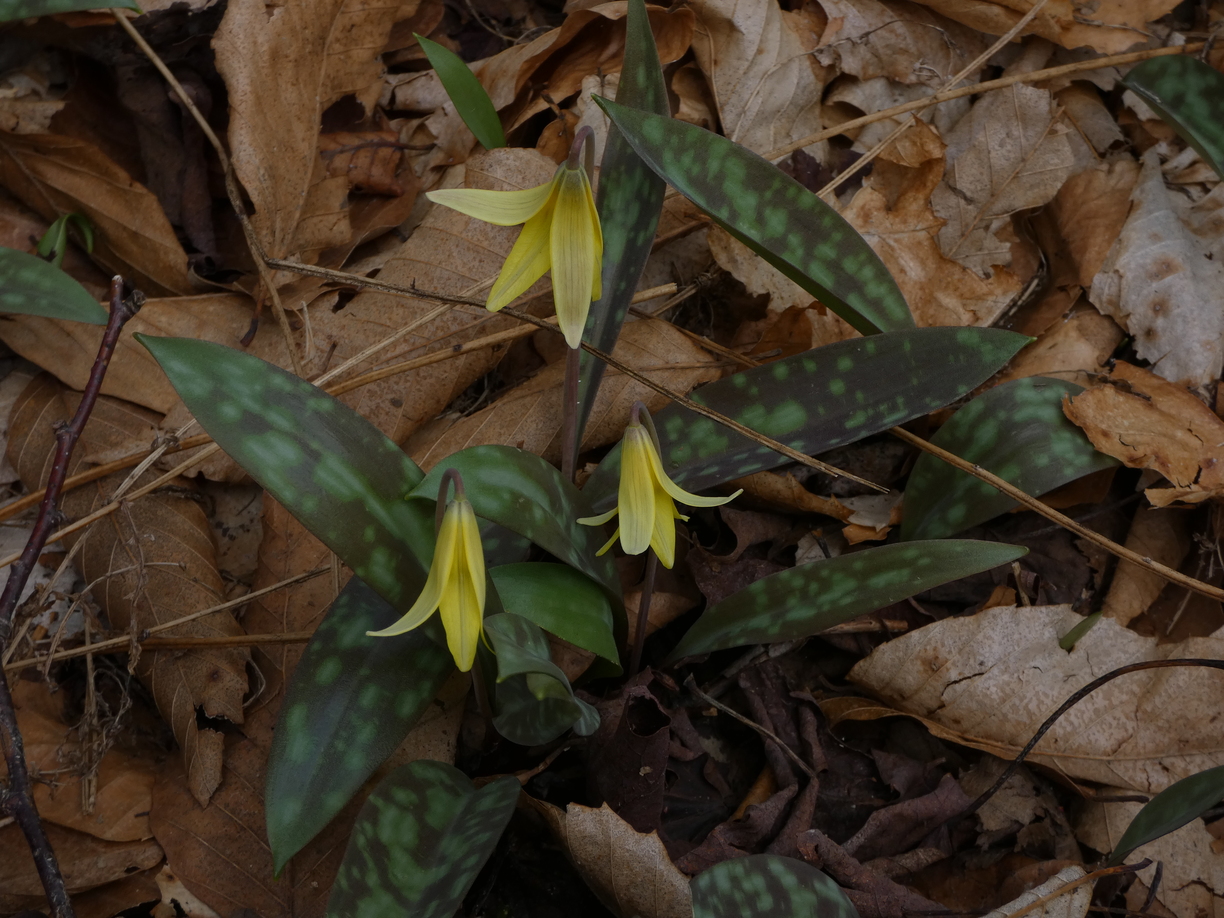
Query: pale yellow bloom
{"points": [[456, 584], [560, 231], [646, 500]]}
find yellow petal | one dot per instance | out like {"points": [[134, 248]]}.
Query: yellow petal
{"points": [[526, 263], [597, 285], [504, 208], [608, 544], [435, 584], [599, 520], [473, 550], [663, 535], [636, 498], [462, 615], [678, 493], [575, 257]]}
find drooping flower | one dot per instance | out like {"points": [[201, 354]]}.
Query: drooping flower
{"points": [[560, 231], [456, 581], [646, 500]]}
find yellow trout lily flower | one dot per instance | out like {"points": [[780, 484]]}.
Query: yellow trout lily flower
{"points": [[560, 231], [456, 581], [647, 498]]}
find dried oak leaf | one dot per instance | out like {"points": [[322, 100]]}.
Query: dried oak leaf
{"points": [[1150, 423], [153, 561], [990, 680], [368, 159]]}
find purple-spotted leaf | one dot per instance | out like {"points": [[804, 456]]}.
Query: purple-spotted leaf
{"points": [[330, 467], [808, 598], [1189, 95], [560, 600], [352, 700], [817, 400], [1017, 431], [30, 286], [629, 203], [419, 842], [771, 213], [27, 9], [520, 491], [767, 886], [1172, 808], [534, 703]]}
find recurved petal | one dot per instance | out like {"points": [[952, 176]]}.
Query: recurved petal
{"points": [[505, 208], [575, 254], [425, 605], [678, 493], [636, 498], [526, 263], [598, 520]]}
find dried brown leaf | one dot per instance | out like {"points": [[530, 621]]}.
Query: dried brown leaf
{"points": [[1156, 533], [1088, 214], [992, 678], [1149, 423], [529, 416], [55, 175], [784, 490], [150, 563], [1070, 904], [629, 871], [1077, 345]]}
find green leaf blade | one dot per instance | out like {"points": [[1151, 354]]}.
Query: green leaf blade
{"points": [[1176, 805], [809, 598], [779, 219], [767, 886], [1189, 95], [469, 97], [816, 401], [560, 600], [32, 287], [351, 702], [331, 468], [1017, 431], [419, 843]]}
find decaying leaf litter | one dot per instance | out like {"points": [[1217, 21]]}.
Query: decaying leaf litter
{"points": [[1058, 206]]}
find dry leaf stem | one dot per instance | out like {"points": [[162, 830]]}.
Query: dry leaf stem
{"points": [[1061, 519], [17, 797]]}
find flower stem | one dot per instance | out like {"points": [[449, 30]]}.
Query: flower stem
{"points": [[639, 634], [569, 414]]}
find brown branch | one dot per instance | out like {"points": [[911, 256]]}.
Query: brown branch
{"points": [[17, 798]]}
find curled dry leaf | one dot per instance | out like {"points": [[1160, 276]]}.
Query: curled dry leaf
{"points": [[992, 678], [1193, 872], [1149, 423], [1075, 347], [629, 871], [529, 416], [1156, 533], [56, 175], [1163, 279], [151, 562]]}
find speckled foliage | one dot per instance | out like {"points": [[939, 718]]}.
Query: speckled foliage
{"points": [[767, 886], [32, 287], [1188, 94]]}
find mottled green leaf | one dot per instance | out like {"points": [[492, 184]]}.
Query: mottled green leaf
{"points": [[817, 400], [767, 886], [352, 700], [560, 600], [1172, 808], [1189, 94], [771, 213], [629, 203], [53, 246], [519, 490], [1017, 431], [30, 286], [25, 9], [419, 842], [330, 467], [534, 701], [808, 598], [469, 97]]}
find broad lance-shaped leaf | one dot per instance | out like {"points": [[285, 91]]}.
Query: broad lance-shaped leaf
{"points": [[419, 843], [329, 467], [26, 9], [1017, 431], [468, 96], [767, 886], [561, 601], [629, 203], [534, 701], [30, 286], [1189, 94], [808, 598], [1172, 808], [352, 700], [771, 213], [817, 400], [520, 491]]}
